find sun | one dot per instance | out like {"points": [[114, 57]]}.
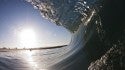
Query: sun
{"points": [[27, 38]]}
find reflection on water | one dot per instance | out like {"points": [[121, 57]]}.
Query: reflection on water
{"points": [[30, 59], [35, 62], [22, 60]]}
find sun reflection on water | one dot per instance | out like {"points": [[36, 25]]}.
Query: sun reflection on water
{"points": [[32, 61]]}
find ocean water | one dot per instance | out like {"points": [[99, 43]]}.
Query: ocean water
{"points": [[28, 60], [77, 16]]}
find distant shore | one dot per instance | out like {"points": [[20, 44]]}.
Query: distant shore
{"points": [[40, 48]]}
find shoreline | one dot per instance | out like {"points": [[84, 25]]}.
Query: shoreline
{"points": [[41, 48]]}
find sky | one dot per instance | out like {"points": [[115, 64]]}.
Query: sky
{"points": [[22, 26]]}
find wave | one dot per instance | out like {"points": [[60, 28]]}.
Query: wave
{"points": [[80, 18], [77, 16], [93, 33]]}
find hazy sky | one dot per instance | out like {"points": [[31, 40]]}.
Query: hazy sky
{"points": [[19, 16]]}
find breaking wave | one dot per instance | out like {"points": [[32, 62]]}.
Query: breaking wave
{"points": [[77, 16], [80, 17]]}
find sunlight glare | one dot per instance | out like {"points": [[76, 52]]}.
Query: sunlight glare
{"points": [[27, 38]]}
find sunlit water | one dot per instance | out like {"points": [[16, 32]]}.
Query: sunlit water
{"points": [[26, 59]]}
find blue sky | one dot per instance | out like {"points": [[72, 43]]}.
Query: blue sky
{"points": [[17, 15]]}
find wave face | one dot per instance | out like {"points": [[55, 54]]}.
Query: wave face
{"points": [[81, 19]]}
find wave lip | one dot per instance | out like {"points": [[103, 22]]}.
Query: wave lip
{"points": [[69, 13]]}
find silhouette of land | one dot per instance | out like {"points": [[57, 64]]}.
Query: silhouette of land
{"points": [[4, 49]]}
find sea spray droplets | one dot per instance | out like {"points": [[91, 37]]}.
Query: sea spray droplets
{"points": [[67, 13]]}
